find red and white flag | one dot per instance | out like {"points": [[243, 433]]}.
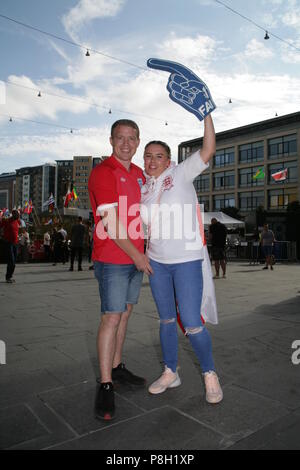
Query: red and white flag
{"points": [[280, 175]]}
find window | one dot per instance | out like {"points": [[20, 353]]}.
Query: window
{"points": [[251, 200], [224, 157], [292, 172], [202, 183], [282, 146], [223, 200], [246, 177], [205, 201], [251, 152], [223, 180], [280, 198]]}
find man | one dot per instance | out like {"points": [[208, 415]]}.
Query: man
{"points": [[217, 235], [77, 241], [47, 241], [118, 255], [24, 241], [64, 247], [267, 240], [10, 234]]}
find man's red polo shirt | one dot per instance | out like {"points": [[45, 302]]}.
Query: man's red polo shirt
{"points": [[10, 230], [110, 184]]}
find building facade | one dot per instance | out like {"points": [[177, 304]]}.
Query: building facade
{"points": [[35, 183], [240, 174], [64, 180], [7, 190], [82, 167]]}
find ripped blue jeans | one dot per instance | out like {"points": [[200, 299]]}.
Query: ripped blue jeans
{"points": [[181, 282]]}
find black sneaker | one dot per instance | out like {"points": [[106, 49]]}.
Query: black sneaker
{"points": [[123, 376], [266, 267], [105, 401]]}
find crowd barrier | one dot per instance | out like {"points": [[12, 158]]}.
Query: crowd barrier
{"points": [[252, 251]]}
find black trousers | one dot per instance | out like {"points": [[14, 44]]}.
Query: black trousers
{"points": [[11, 257], [76, 250]]}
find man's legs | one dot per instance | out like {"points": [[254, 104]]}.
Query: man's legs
{"points": [[223, 266], [217, 267], [79, 257], [11, 252], [107, 344]]}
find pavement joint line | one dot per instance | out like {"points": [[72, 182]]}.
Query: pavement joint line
{"points": [[37, 418], [61, 419], [205, 425], [108, 426], [271, 348], [129, 401], [266, 397]]}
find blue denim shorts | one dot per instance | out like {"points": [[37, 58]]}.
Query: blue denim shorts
{"points": [[268, 250], [119, 285]]}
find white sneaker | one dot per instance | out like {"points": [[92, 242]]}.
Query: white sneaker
{"points": [[168, 379], [214, 392]]}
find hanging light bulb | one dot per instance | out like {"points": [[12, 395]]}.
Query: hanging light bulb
{"points": [[39, 94], [166, 123], [276, 115], [87, 53], [71, 131], [10, 119], [109, 112], [229, 101], [267, 35]]}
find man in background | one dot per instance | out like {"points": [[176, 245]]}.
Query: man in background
{"points": [[77, 241], [11, 227], [217, 236]]}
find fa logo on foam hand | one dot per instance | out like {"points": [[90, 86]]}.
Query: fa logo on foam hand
{"points": [[2, 353], [296, 354]]}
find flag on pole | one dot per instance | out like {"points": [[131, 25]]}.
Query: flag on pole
{"points": [[50, 203], [260, 174], [68, 198], [74, 193], [280, 175], [28, 206]]}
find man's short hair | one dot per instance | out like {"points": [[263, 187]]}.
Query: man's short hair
{"points": [[80, 219], [125, 122]]}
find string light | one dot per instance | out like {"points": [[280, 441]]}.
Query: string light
{"points": [[17, 118], [268, 34]]}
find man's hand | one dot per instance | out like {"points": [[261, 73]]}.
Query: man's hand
{"points": [[142, 263], [185, 88]]}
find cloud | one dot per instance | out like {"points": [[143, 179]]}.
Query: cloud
{"points": [[257, 50], [88, 10]]}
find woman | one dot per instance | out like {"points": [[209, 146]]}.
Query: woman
{"points": [[176, 253]]}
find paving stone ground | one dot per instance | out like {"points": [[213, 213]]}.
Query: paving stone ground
{"points": [[49, 320]]}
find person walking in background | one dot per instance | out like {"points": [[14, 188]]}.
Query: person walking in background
{"points": [[56, 241], [77, 242], [24, 241], [47, 250], [217, 236], [64, 246], [11, 227], [267, 240]]}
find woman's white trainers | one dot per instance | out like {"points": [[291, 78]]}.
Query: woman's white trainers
{"points": [[168, 379], [214, 392]]}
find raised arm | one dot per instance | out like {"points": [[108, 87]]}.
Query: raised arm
{"points": [[209, 140]]}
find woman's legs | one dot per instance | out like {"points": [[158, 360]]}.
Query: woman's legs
{"points": [[188, 283], [162, 287]]}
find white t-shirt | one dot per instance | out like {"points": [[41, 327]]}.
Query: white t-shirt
{"points": [[169, 210]]}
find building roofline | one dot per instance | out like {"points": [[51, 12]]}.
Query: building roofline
{"points": [[254, 127]]}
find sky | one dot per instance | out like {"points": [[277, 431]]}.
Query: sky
{"points": [[228, 53]]}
